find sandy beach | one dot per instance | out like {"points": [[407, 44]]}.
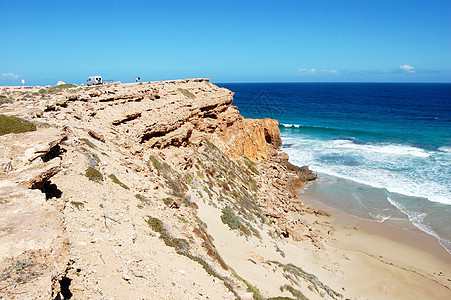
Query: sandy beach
{"points": [[362, 259], [388, 260]]}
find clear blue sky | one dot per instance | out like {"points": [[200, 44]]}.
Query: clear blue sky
{"points": [[227, 41]]}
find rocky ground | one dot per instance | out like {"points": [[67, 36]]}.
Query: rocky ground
{"points": [[101, 200], [156, 190]]}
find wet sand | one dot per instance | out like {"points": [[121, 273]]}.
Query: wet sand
{"points": [[399, 231]]}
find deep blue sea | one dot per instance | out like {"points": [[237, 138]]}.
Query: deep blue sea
{"points": [[382, 150]]}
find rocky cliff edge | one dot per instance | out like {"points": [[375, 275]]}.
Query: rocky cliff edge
{"points": [[149, 190]]}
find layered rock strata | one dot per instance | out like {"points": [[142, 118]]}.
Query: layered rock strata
{"points": [[108, 198]]}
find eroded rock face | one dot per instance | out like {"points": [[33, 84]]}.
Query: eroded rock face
{"points": [[33, 247], [77, 195], [256, 139]]}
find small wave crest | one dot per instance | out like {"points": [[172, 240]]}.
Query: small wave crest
{"points": [[379, 218], [403, 169], [290, 125], [418, 220], [446, 149]]}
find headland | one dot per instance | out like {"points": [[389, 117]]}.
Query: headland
{"points": [[162, 190]]}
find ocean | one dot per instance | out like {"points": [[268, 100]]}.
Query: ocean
{"points": [[382, 150]]}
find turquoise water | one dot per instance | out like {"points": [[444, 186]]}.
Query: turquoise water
{"points": [[382, 150]]}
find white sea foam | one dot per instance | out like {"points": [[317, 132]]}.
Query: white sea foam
{"points": [[382, 149], [417, 219], [290, 125], [445, 149], [401, 169], [379, 218]]}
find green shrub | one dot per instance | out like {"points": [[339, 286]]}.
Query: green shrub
{"points": [[11, 124], [93, 174], [4, 99], [296, 293], [182, 248], [115, 180], [88, 142], [299, 273], [250, 288], [78, 205], [229, 218], [62, 86], [251, 165], [186, 93], [180, 245]]}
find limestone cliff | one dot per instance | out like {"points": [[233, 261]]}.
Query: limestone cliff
{"points": [[137, 191]]}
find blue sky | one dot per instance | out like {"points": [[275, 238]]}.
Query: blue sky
{"points": [[227, 41]]}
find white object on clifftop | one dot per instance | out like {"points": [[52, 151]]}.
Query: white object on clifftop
{"points": [[94, 80], [60, 83]]}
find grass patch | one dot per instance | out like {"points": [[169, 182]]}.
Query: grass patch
{"points": [[4, 99], [21, 270], [180, 245], [200, 174], [93, 174], [93, 159], [115, 180], [296, 293], [77, 204], [186, 93], [251, 165], [229, 218], [250, 288], [189, 178], [15, 125], [209, 144], [301, 274], [209, 246], [144, 200], [174, 181], [88, 143], [184, 220], [62, 86], [182, 248]]}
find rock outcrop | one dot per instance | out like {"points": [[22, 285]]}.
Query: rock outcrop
{"points": [[119, 191], [256, 139]]}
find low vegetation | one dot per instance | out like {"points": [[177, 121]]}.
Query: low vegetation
{"points": [[181, 246], [115, 180], [251, 165], [299, 273], [296, 293], [144, 200], [250, 288], [93, 174], [4, 99], [209, 246], [88, 143], [186, 93], [11, 124], [22, 270], [229, 218], [62, 86], [77, 204]]}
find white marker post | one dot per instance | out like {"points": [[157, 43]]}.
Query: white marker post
{"points": [[23, 83]]}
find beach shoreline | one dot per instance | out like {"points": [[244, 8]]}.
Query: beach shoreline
{"points": [[391, 249], [399, 231]]}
